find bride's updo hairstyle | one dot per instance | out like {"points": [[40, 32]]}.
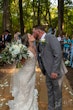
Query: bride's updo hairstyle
{"points": [[24, 40]]}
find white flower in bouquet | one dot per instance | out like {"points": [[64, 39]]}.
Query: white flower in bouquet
{"points": [[20, 45], [14, 50]]}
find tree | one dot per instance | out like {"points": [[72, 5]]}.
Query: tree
{"points": [[47, 4], [21, 17], [68, 15], [38, 13], [60, 15], [6, 24], [34, 11]]}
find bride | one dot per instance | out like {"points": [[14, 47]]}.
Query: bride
{"points": [[23, 82]]}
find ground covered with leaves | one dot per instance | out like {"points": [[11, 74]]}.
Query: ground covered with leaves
{"points": [[70, 76]]}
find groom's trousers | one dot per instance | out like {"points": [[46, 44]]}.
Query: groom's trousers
{"points": [[54, 93]]}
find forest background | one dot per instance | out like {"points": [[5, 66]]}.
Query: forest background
{"points": [[22, 15]]}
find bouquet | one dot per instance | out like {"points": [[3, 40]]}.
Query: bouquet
{"points": [[14, 52]]}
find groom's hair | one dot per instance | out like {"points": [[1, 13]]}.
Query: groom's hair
{"points": [[41, 27]]}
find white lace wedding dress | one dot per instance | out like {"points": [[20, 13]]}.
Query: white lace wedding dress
{"points": [[23, 87]]}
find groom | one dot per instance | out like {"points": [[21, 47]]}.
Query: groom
{"points": [[49, 58]]}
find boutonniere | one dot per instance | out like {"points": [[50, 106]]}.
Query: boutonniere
{"points": [[43, 41]]}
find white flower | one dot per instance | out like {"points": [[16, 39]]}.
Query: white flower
{"points": [[14, 49], [20, 45], [42, 40]]}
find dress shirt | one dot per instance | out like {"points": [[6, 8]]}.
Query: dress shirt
{"points": [[43, 36], [6, 36]]}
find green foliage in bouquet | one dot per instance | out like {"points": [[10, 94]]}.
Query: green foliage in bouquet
{"points": [[14, 52]]}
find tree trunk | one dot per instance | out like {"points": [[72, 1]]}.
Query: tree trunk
{"points": [[6, 15], [60, 15], [38, 14], [21, 17], [34, 12], [48, 12]]}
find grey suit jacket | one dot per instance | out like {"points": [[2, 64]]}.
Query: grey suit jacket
{"points": [[51, 55]]}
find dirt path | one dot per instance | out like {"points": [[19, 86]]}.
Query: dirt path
{"points": [[42, 91]]}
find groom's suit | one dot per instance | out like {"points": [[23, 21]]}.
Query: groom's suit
{"points": [[49, 58]]}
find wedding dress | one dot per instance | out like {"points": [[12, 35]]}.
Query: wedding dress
{"points": [[23, 87]]}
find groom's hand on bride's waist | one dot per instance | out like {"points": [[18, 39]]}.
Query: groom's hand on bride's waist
{"points": [[54, 75]]}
